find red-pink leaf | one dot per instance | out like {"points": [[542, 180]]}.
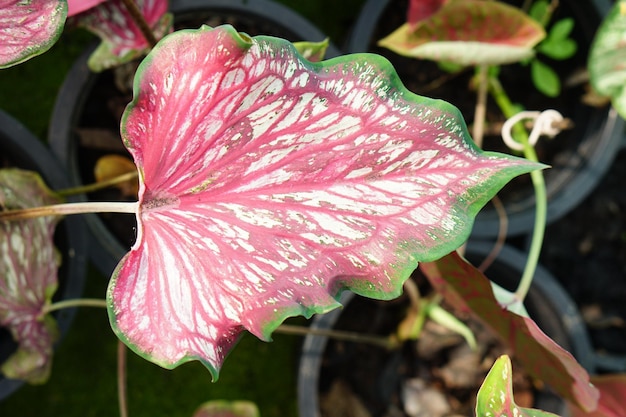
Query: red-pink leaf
{"points": [[467, 289], [28, 276], [270, 183], [122, 39], [469, 32], [29, 28], [78, 6], [612, 394], [422, 9]]}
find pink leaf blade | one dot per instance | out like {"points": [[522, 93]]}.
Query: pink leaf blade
{"points": [[467, 289], [75, 7], [28, 29], [269, 184], [122, 39], [612, 389], [28, 276]]}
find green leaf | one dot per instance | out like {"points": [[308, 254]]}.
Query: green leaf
{"points": [[558, 49], [313, 51], [495, 397], [561, 29], [539, 10], [545, 79], [607, 57]]}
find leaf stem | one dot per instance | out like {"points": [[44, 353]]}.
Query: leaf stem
{"points": [[75, 302], [89, 188], [141, 22], [541, 203], [121, 379], [69, 208], [381, 341]]}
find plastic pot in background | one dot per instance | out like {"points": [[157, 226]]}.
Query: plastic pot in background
{"points": [[88, 108], [579, 157], [547, 303], [19, 148]]}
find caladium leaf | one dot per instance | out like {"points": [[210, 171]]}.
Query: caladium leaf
{"points": [[467, 289], [268, 184], [75, 7], [220, 408], [122, 39], [29, 28], [495, 396], [28, 276], [422, 9], [313, 51], [607, 57], [612, 393], [469, 32]]}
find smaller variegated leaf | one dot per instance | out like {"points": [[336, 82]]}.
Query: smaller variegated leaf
{"points": [[218, 408], [29, 28], [313, 51], [28, 276], [469, 32], [495, 397], [607, 57], [122, 39], [269, 184]]}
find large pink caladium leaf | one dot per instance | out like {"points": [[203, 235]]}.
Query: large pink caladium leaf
{"points": [[469, 32], [612, 393], [29, 28], [28, 276], [122, 39], [607, 57], [270, 183], [467, 289], [495, 396]]}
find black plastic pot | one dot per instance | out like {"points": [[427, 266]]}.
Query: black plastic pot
{"points": [[547, 303], [20, 148], [579, 157], [77, 103]]}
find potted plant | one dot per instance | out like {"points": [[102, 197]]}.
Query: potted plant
{"points": [[20, 149], [269, 184], [579, 155]]}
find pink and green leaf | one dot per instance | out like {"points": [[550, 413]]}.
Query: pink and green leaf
{"points": [[75, 7], [468, 290], [269, 184], [421, 10], [612, 393], [28, 276], [495, 396], [219, 408], [122, 39], [29, 28], [607, 57], [469, 32], [313, 51]]}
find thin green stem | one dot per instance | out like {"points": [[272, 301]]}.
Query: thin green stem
{"points": [[97, 185], [69, 208], [385, 342], [541, 205], [121, 379], [76, 302]]}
